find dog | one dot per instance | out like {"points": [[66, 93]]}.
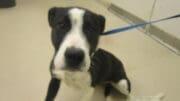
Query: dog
{"points": [[77, 61]]}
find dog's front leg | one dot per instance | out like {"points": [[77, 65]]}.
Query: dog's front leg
{"points": [[52, 89], [88, 94]]}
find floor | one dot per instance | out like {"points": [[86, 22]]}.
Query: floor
{"points": [[26, 51]]}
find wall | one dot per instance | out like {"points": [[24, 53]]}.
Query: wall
{"points": [[140, 8], [167, 32], [162, 8]]}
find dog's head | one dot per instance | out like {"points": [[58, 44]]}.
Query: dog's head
{"points": [[75, 35]]}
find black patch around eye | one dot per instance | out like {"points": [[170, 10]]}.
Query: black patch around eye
{"points": [[91, 24], [89, 28], [63, 24]]}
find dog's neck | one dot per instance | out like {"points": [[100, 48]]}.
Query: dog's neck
{"points": [[75, 79]]}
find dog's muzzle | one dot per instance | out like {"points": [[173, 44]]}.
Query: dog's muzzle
{"points": [[74, 58]]}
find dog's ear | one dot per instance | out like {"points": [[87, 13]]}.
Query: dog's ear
{"points": [[102, 22], [51, 15]]}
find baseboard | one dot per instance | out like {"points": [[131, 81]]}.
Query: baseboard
{"points": [[169, 41], [156, 33], [126, 16]]}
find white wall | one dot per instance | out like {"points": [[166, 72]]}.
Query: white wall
{"points": [[163, 8], [140, 8]]}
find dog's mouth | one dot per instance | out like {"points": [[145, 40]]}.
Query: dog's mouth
{"points": [[74, 68], [71, 68], [59, 73], [79, 67]]}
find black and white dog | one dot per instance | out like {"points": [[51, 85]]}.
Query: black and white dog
{"points": [[76, 61]]}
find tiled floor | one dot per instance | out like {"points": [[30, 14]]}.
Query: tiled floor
{"points": [[26, 51]]}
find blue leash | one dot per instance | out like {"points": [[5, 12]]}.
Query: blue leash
{"points": [[115, 31]]}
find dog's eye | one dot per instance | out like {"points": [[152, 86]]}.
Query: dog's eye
{"points": [[88, 28], [62, 25]]}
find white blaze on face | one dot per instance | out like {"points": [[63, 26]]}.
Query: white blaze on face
{"points": [[74, 38]]}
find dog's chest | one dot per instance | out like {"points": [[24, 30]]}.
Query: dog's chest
{"points": [[80, 80]]}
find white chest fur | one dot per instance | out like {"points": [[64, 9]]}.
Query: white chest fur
{"points": [[80, 80], [75, 79], [77, 82]]}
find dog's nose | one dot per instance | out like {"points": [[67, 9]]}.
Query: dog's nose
{"points": [[74, 57]]}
